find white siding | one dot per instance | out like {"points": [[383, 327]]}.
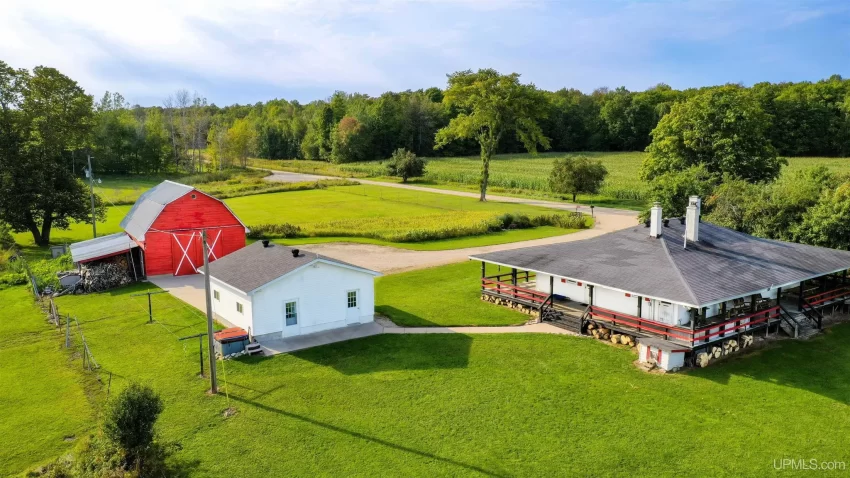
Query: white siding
{"points": [[321, 293], [615, 300], [565, 287], [225, 306]]}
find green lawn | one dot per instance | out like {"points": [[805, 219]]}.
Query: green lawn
{"points": [[356, 210], [524, 175], [44, 400], [440, 296], [461, 405]]}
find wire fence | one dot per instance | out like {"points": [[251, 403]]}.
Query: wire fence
{"points": [[56, 319]]}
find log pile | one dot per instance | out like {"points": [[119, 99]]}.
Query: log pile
{"points": [[601, 332], [728, 347], [525, 309], [104, 276]]}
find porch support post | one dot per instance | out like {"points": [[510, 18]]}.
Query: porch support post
{"points": [[513, 276], [551, 284], [723, 309], [800, 299], [752, 303], [483, 269], [640, 306], [590, 294], [778, 295]]}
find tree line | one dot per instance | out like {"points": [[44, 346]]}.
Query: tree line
{"points": [[801, 119]]}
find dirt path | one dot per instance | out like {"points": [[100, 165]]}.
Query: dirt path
{"points": [[391, 260]]}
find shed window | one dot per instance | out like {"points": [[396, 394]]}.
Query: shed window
{"points": [[216, 295], [291, 313], [352, 299], [239, 307]]}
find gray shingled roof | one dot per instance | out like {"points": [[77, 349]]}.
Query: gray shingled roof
{"points": [[254, 266], [146, 209], [724, 264]]}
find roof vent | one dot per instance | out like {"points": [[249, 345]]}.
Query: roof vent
{"points": [[295, 252], [265, 243], [682, 220], [666, 222]]}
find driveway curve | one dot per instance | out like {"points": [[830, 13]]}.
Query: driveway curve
{"points": [[389, 260]]}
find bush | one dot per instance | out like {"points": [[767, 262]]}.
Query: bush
{"points": [[405, 164], [515, 221], [284, 230], [129, 423], [573, 220]]}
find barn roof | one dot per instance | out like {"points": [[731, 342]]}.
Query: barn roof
{"points": [[722, 265], [254, 266], [147, 208]]}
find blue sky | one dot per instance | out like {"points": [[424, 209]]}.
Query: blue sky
{"points": [[255, 50]]}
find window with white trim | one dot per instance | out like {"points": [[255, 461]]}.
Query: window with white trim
{"points": [[352, 299], [216, 295], [239, 307], [291, 310]]}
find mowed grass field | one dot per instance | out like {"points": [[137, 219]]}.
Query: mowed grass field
{"points": [[444, 296], [466, 405], [47, 404], [351, 213], [524, 174]]}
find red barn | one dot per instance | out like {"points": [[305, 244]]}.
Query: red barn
{"points": [[166, 224]]}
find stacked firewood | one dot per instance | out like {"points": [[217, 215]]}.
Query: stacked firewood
{"points": [[525, 309], [104, 276], [728, 347], [600, 332]]}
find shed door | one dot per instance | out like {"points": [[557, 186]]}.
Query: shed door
{"points": [[352, 307]]}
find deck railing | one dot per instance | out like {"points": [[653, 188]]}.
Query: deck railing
{"points": [[513, 292], [690, 337], [824, 297]]}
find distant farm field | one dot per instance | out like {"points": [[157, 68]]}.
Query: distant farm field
{"points": [[360, 213], [524, 174]]}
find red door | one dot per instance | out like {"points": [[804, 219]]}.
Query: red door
{"points": [[187, 251], [186, 255]]}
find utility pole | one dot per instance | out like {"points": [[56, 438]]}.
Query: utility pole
{"points": [[90, 174], [210, 339]]}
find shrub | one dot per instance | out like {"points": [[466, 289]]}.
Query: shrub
{"points": [[515, 221], [577, 174], [573, 220], [405, 164], [129, 423], [284, 230]]}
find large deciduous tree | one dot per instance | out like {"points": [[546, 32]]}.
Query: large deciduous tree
{"points": [[577, 175], [723, 129], [46, 117], [490, 106]]}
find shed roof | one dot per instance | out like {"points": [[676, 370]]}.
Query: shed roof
{"points": [[146, 209], [102, 246], [724, 264], [254, 266]]}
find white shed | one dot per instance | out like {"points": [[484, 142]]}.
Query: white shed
{"points": [[274, 291]]}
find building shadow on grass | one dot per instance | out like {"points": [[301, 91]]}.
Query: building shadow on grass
{"points": [[819, 365], [405, 319], [465, 468]]}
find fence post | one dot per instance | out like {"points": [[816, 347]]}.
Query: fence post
{"points": [[68, 332]]}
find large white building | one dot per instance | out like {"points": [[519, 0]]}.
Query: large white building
{"points": [[680, 282], [273, 291]]}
